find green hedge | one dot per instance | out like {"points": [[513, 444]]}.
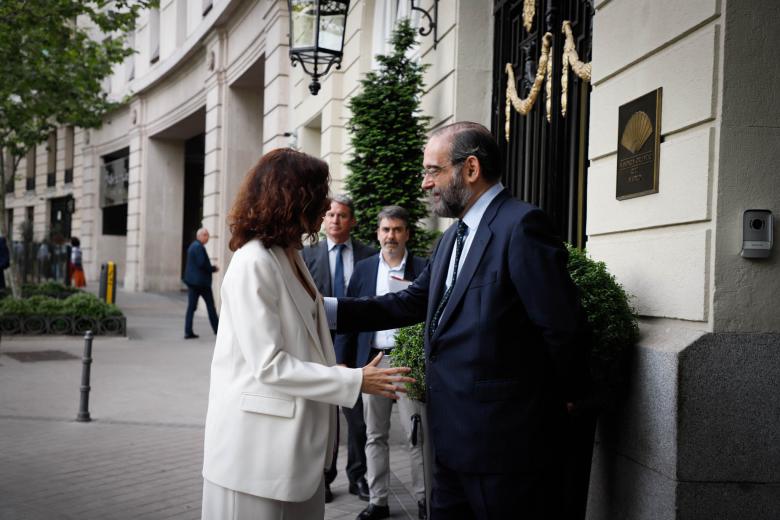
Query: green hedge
{"points": [[81, 304], [51, 289]]}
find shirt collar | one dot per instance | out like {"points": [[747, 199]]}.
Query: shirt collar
{"points": [[332, 244], [473, 216], [400, 267]]}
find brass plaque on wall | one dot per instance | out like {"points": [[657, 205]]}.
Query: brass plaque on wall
{"points": [[639, 139]]}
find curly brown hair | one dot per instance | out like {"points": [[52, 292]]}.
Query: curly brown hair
{"points": [[281, 199]]}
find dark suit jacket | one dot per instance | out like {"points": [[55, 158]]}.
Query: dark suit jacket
{"points": [[316, 259], [198, 270], [510, 349], [354, 349], [5, 259]]}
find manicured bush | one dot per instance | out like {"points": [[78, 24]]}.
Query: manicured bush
{"points": [[409, 352], [388, 132], [52, 289], [73, 315]]}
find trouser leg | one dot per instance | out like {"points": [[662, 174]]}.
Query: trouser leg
{"points": [[377, 415], [356, 441], [192, 304], [331, 471], [208, 297], [406, 409]]}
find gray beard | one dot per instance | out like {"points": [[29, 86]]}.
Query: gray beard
{"points": [[453, 199]]}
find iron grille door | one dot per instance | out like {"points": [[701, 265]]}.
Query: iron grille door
{"points": [[544, 163]]}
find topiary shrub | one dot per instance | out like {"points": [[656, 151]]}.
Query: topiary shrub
{"points": [[611, 318], [409, 352], [613, 324]]}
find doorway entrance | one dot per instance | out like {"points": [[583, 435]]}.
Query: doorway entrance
{"points": [[194, 159], [545, 163], [61, 214]]}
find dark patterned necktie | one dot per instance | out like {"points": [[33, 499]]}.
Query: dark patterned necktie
{"points": [[460, 239], [338, 276]]}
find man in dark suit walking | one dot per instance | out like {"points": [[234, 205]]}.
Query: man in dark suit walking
{"points": [[505, 337], [331, 263], [197, 276], [5, 261], [391, 270]]}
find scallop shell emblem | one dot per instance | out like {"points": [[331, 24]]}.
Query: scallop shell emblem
{"points": [[638, 129]]}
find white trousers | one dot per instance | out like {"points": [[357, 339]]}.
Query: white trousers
{"points": [[376, 411], [226, 504]]}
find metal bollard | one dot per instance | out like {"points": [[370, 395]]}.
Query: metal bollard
{"points": [[83, 415]]}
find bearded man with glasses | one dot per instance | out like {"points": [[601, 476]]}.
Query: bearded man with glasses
{"points": [[506, 341]]}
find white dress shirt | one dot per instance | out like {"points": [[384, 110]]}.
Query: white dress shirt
{"points": [[472, 218], [385, 339]]}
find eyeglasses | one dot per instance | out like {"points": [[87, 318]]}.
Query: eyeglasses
{"points": [[435, 171]]}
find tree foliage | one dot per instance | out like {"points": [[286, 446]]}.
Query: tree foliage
{"points": [[388, 135], [54, 56]]}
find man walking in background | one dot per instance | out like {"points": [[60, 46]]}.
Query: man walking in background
{"points": [[391, 270], [330, 263], [197, 276]]}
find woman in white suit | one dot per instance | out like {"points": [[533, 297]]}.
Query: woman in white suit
{"points": [[270, 424]]}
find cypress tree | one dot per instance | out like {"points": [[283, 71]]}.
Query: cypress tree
{"points": [[388, 135]]}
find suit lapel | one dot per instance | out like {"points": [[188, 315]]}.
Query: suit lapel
{"points": [[439, 264], [298, 293], [324, 272], [476, 251]]}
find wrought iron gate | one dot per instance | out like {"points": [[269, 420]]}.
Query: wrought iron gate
{"points": [[545, 163]]}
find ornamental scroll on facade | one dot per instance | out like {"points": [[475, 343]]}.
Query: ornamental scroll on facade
{"points": [[570, 59]]}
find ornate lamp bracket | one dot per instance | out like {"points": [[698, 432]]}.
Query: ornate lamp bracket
{"points": [[432, 20]]}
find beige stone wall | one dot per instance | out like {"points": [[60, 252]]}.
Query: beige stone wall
{"points": [[659, 246]]}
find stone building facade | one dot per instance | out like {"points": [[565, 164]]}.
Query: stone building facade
{"points": [[211, 89]]}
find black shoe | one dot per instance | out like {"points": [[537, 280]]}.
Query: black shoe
{"points": [[328, 494], [360, 488], [374, 512], [422, 511], [191, 336]]}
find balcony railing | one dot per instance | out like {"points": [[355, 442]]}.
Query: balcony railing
{"points": [[51, 179], [68, 175], [30, 183]]}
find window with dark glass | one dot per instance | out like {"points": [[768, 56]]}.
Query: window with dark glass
{"points": [[30, 177], [51, 160], [70, 148], [114, 182]]}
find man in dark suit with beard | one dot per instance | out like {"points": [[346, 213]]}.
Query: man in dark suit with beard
{"points": [[331, 262], [505, 337]]}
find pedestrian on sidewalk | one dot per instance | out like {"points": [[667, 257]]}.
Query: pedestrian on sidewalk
{"points": [[197, 276], [271, 424], [76, 265], [392, 269]]}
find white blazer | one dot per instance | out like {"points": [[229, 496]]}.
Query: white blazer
{"points": [[270, 426]]}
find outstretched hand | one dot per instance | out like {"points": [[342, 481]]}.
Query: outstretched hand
{"points": [[383, 381]]}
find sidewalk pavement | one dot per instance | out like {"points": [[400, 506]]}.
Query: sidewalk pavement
{"points": [[141, 456]]}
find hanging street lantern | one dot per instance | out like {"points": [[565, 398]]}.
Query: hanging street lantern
{"points": [[317, 36]]}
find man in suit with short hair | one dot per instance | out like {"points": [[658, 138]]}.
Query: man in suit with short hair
{"points": [[506, 340], [197, 276], [5, 261], [390, 270], [331, 262]]}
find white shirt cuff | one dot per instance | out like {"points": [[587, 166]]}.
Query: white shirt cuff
{"points": [[331, 310]]}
